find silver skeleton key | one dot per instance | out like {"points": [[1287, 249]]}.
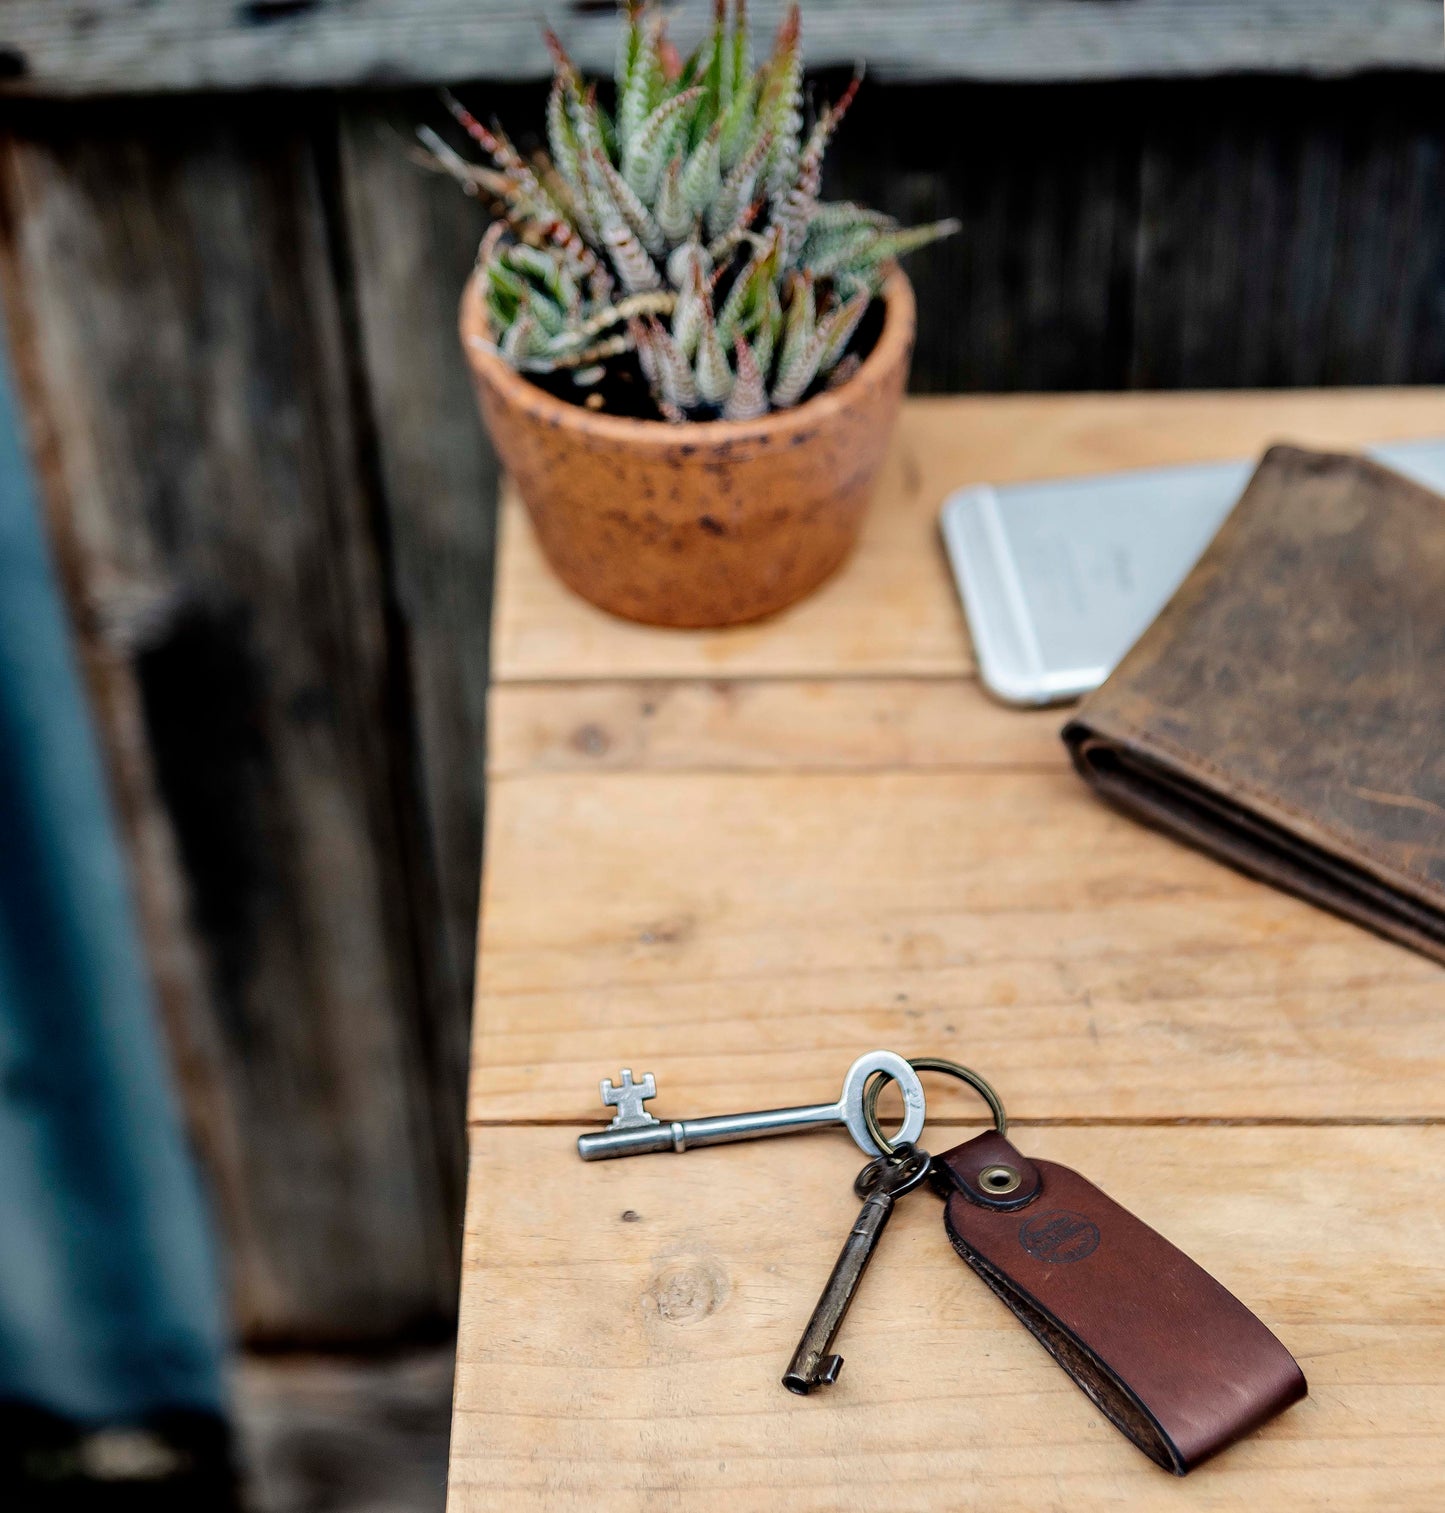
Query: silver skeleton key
{"points": [[880, 1184], [634, 1132]]}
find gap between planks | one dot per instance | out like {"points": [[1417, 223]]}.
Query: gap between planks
{"points": [[754, 927], [769, 724], [893, 609], [543, 683], [1080, 1121]]}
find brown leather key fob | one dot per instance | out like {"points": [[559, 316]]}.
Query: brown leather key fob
{"points": [[1171, 1358]]}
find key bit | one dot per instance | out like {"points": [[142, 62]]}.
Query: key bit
{"points": [[627, 1097], [880, 1184]]}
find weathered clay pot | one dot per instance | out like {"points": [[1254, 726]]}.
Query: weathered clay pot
{"points": [[706, 524]]}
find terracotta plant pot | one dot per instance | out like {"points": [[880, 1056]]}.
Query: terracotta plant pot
{"points": [[706, 524]]}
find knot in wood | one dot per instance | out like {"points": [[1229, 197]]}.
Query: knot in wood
{"points": [[686, 1292]]}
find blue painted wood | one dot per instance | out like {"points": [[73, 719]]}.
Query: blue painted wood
{"points": [[110, 1305]]}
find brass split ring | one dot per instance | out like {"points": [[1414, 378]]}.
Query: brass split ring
{"points": [[929, 1064]]}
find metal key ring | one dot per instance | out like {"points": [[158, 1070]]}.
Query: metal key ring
{"points": [[929, 1064], [907, 1165]]}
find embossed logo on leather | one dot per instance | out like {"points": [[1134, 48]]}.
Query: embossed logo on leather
{"points": [[1058, 1237]]}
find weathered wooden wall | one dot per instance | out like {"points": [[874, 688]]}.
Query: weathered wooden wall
{"points": [[1239, 232], [274, 508], [233, 321], [81, 47]]}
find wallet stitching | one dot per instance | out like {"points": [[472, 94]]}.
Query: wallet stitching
{"points": [[1361, 848]]}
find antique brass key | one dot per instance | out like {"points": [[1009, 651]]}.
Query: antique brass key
{"points": [[880, 1184]]}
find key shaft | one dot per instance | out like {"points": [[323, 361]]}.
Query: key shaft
{"points": [[718, 1129], [635, 1132], [887, 1178]]}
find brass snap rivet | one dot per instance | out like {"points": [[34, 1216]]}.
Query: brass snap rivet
{"points": [[999, 1181]]}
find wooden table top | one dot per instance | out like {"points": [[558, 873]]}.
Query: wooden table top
{"points": [[737, 860]]}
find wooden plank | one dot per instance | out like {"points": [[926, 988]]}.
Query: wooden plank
{"points": [[745, 935], [892, 609], [692, 726], [542, 631], [191, 1034], [1251, 232], [173, 277], [75, 47], [330, 1431], [736, 875], [1036, 291], [411, 242], [622, 1340], [1288, 209]]}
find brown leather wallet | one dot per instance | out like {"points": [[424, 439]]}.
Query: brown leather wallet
{"points": [[1286, 711], [1172, 1359]]}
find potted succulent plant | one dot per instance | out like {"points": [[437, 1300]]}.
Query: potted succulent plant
{"points": [[689, 363]]}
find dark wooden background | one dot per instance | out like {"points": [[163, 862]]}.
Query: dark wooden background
{"points": [[232, 317]]}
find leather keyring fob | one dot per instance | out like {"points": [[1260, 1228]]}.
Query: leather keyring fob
{"points": [[1171, 1358]]}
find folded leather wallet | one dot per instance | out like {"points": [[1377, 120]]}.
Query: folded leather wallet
{"points": [[1286, 711]]}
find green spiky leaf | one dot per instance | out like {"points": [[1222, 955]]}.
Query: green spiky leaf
{"points": [[687, 231]]}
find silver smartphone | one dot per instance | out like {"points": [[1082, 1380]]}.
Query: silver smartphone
{"points": [[1059, 579]]}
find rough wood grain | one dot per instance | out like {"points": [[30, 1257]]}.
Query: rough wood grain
{"points": [[738, 860], [729, 725], [175, 273], [410, 244], [322, 1434], [1242, 232], [1042, 280], [892, 610], [623, 1332], [71, 46], [1286, 209], [745, 935]]}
